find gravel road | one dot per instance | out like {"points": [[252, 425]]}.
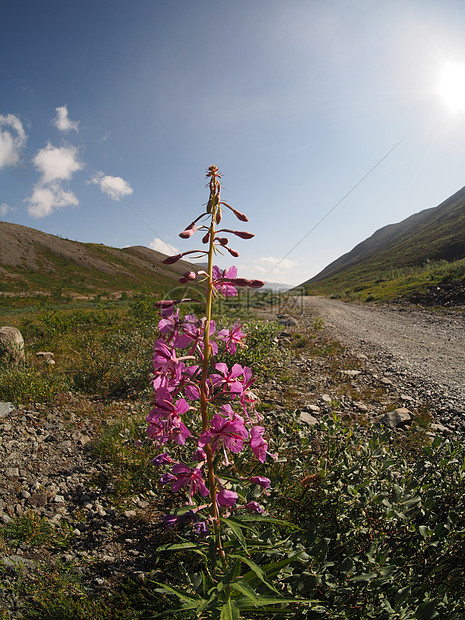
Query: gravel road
{"points": [[426, 349]]}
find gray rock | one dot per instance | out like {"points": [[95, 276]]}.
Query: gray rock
{"points": [[11, 344], [308, 418], [311, 408], [6, 408], [15, 562], [286, 320], [351, 373], [397, 418], [46, 355]]}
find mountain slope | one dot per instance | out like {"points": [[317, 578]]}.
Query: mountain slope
{"points": [[33, 261], [433, 234]]}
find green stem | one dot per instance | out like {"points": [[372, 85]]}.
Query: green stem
{"points": [[214, 198]]}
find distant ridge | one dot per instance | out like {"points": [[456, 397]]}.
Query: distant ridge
{"points": [[432, 234], [34, 261]]}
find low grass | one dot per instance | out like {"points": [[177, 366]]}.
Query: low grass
{"points": [[370, 284], [377, 518]]}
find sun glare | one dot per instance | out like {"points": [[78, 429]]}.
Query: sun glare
{"points": [[451, 86]]}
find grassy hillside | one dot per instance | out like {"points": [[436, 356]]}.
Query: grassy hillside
{"points": [[401, 258], [35, 263]]}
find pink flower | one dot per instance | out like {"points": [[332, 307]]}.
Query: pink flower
{"points": [[258, 445], [229, 379], [247, 396], [229, 433], [254, 507], [164, 358], [220, 280], [169, 325], [162, 459], [232, 337], [262, 481], [199, 455], [190, 478], [192, 332], [226, 498], [164, 419]]}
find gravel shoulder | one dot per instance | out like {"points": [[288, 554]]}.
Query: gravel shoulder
{"points": [[424, 348]]}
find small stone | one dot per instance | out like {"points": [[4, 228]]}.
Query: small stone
{"points": [[439, 428], [351, 373], [397, 418], [308, 419], [11, 472], [309, 407], [130, 514], [286, 320], [46, 355], [407, 398], [6, 408], [59, 499], [16, 562]]}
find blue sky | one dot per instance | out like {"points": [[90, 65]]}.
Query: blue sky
{"points": [[110, 113]]}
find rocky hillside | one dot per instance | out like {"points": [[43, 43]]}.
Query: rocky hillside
{"points": [[433, 234], [33, 261]]}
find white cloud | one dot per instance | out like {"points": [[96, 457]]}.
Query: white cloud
{"points": [[63, 122], [267, 264], [11, 142], [57, 163], [161, 246], [115, 187], [46, 198], [4, 208]]}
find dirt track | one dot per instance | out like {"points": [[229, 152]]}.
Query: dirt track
{"points": [[426, 347]]}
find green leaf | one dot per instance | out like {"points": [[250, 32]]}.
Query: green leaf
{"points": [[264, 519], [257, 571], [190, 601], [272, 569], [426, 611], [178, 546], [363, 577], [242, 587], [230, 611], [236, 528]]}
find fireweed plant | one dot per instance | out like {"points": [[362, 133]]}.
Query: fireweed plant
{"points": [[206, 411]]}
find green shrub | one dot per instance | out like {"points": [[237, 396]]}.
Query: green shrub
{"points": [[31, 383], [384, 536]]}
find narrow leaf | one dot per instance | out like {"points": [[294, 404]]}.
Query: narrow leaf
{"points": [[235, 527], [230, 611], [257, 571], [246, 590]]}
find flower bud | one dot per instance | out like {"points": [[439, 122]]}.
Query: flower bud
{"points": [[238, 214], [222, 240], [234, 253], [206, 239], [240, 282], [256, 283], [185, 234], [172, 259], [187, 277], [243, 234]]}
